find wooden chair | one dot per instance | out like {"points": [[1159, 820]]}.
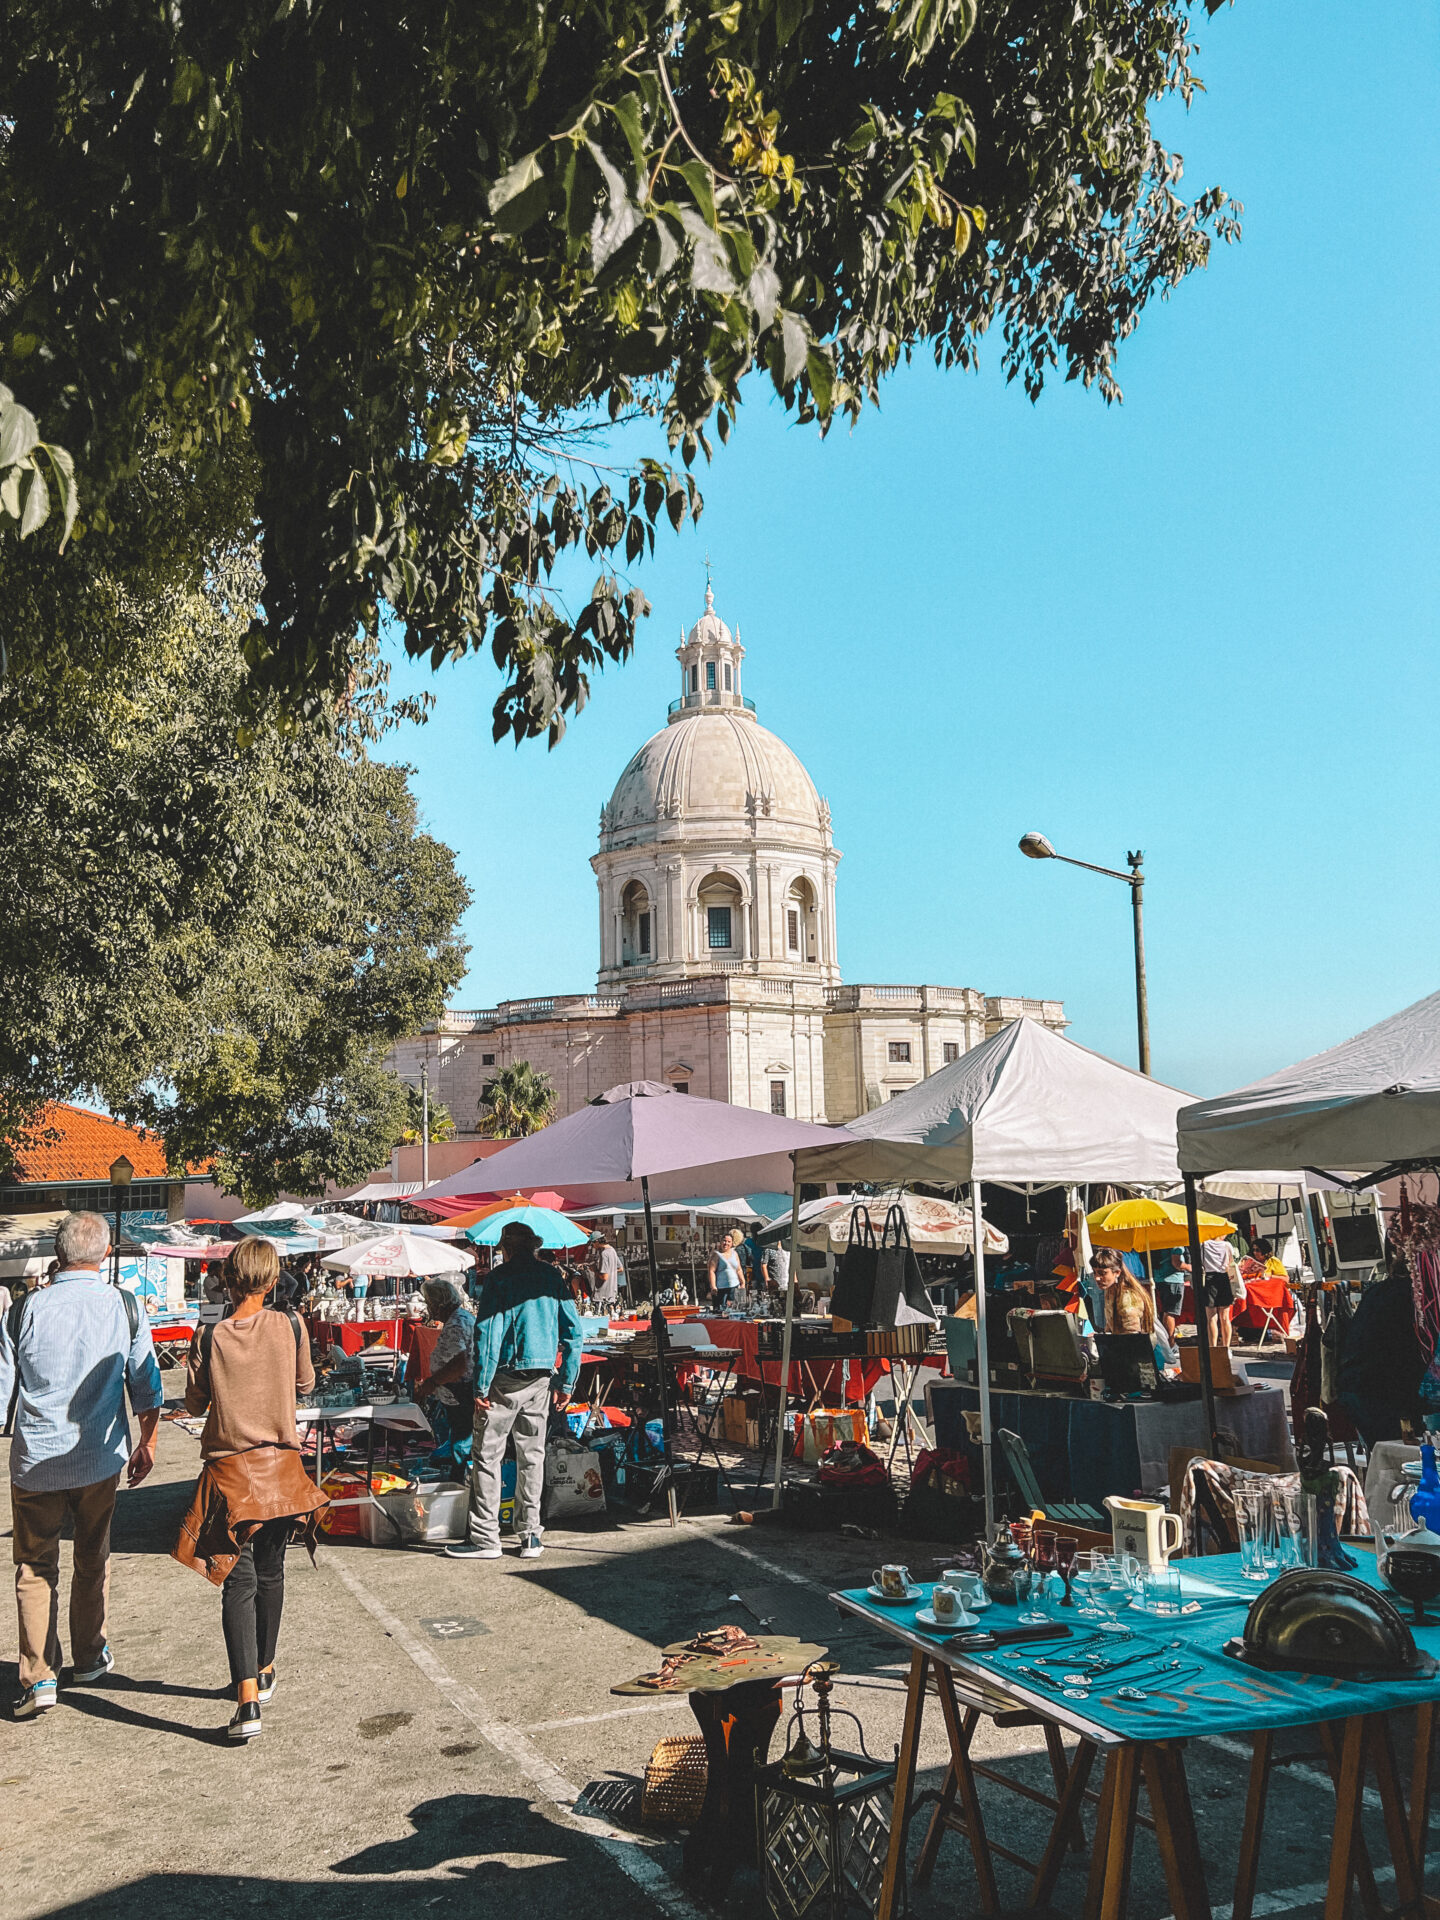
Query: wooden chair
{"points": [[1070, 1513]]}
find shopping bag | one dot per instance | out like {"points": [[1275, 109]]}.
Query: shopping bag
{"points": [[854, 1289], [574, 1489], [899, 1298]]}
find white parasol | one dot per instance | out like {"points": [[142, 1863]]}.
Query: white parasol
{"points": [[400, 1255]]}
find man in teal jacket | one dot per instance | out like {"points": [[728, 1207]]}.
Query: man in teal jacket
{"points": [[526, 1313]]}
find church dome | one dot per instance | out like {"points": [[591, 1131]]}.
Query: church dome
{"points": [[719, 767]]}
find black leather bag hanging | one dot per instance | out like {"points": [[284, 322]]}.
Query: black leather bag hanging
{"points": [[897, 1275], [854, 1289]]}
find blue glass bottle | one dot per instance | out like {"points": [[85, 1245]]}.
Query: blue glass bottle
{"points": [[1425, 1501]]}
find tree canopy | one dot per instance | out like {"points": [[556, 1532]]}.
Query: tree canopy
{"points": [[220, 939], [515, 1101], [392, 262]]}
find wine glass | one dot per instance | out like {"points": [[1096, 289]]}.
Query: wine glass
{"points": [[1029, 1588], [1044, 1554], [1065, 1552], [1092, 1577]]}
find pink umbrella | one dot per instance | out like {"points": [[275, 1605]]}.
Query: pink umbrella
{"points": [[645, 1135]]}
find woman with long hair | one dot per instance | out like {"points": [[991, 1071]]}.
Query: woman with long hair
{"points": [[1128, 1306], [254, 1495]]}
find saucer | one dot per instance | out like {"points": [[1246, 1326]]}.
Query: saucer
{"points": [[910, 1595], [959, 1622]]}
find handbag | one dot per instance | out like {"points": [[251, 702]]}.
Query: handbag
{"points": [[899, 1297], [854, 1290]]}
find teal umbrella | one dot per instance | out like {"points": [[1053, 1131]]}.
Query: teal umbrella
{"points": [[553, 1228]]}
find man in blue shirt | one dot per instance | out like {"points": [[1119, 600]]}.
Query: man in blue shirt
{"points": [[73, 1348], [526, 1313]]}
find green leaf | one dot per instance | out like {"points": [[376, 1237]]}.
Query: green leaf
{"points": [[19, 435], [627, 110], [614, 226], [821, 372], [36, 510], [513, 183], [701, 182]]}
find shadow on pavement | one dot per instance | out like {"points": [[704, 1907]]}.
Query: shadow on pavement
{"points": [[147, 1519], [551, 1872]]}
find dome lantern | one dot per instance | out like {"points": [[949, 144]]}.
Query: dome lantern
{"points": [[710, 658]]}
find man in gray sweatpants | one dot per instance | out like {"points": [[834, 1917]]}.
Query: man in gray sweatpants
{"points": [[526, 1314]]}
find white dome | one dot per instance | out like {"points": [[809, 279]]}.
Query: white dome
{"points": [[720, 767]]}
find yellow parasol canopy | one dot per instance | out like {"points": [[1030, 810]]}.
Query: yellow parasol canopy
{"points": [[1145, 1226]]}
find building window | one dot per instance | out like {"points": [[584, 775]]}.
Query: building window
{"points": [[644, 940], [728, 684], [717, 922], [899, 1053], [895, 1092], [952, 1051], [694, 679], [710, 676], [777, 1097], [681, 1086], [792, 929], [487, 1059]]}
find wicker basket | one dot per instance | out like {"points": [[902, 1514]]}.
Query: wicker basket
{"points": [[675, 1778]]}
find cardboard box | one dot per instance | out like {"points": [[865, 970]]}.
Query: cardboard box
{"points": [[733, 1419]]}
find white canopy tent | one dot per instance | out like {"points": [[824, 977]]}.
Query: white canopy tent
{"points": [[1026, 1107], [1372, 1102]]}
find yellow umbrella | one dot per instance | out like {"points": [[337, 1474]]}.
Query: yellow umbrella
{"points": [[1146, 1226]]}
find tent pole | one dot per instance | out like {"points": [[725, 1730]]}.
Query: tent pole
{"points": [[1310, 1240], [982, 1356], [1202, 1315], [659, 1328], [784, 1386]]}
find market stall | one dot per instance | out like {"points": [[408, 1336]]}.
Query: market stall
{"points": [[1026, 1107]]}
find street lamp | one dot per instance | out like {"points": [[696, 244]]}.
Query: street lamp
{"points": [[121, 1174], [1036, 847]]}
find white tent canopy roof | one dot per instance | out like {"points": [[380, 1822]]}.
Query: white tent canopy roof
{"points": [[1371, 1102], [1025, 1105]]}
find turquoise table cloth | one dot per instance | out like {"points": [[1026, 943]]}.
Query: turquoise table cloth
{"points": [[1223, 1696]]}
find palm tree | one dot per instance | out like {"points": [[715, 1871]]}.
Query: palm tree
{"points": [[516, 1101]]}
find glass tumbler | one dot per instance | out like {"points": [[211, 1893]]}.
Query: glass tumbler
{"points": [[1252, 1523]]}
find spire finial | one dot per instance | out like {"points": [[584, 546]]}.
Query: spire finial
{"points": [[709, 589]]}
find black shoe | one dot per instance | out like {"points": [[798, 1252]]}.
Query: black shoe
{"points": [[267, 1686], [246, 1724]]}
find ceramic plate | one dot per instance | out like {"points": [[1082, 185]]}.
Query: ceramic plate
{"points": [[908, 1598], [957, 1623]]}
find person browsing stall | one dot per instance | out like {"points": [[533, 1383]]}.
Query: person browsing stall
{"points": [[1128, 1305], [253, 1495], [526, 1313], [72, 1351], [725, 1276]]}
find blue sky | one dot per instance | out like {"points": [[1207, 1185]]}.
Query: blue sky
{"points": [[1202, 623]]}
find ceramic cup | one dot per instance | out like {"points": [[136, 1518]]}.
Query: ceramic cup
{"points": [[893, 1581], [969, 1586], [945, 1603]]}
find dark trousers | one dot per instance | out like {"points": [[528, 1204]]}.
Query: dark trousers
{"points": [[251, 1601]]}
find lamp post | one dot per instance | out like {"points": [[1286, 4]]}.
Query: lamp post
{"points": [[1036, 847], [425, 1122], [121, 1174]]}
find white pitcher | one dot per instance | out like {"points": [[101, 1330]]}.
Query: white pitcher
{"points": [[1144, 1528]]}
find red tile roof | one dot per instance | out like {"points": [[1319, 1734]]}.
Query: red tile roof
{"points": [[70, 1143]]}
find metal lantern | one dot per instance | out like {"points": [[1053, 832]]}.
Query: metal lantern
{"points": [[824, 1820]]}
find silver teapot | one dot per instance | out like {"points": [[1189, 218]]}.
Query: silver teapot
{"points": [[1409, 1564]]}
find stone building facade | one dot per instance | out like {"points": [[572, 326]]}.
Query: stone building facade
{"points": [[719, 957]]}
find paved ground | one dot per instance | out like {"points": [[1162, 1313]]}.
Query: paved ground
{"points": [[439, 1775]]}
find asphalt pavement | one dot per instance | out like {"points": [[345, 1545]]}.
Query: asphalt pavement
{"points": [[444, 1741]]}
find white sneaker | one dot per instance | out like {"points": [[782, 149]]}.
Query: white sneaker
{"points": [[531, 1546], [35, 1700]]}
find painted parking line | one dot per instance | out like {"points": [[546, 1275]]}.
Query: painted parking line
{"points": [[634, 1859]]}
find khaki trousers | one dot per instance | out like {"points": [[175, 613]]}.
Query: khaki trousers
{"points": [[39, 1518]]}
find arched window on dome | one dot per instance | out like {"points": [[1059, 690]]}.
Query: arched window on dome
{"points": [[637, 924], [802, 927], [721, 908]]}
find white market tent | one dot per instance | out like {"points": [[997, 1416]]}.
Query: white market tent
{"points": [[1025, 1108], [1371, 1103]]}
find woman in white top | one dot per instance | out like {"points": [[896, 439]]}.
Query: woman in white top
{"points": [[725, 1272]]}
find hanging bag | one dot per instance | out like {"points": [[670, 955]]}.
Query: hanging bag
{"points": [[854, 1290], [900, 1296]]}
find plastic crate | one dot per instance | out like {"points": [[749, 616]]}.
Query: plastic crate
{"points": [[424, 1516]]}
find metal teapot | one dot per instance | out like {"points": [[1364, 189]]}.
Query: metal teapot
{"points": [[1000, 1559]]}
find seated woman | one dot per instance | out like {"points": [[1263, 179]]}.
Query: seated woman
{"points": [[448, 1387]]}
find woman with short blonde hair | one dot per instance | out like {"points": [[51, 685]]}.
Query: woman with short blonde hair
{"points": [[253, 1495]]}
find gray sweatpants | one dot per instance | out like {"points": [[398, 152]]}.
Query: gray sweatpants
{"points": [[525, 1413]]}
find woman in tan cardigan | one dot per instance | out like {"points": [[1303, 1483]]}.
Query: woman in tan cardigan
{"points": [[253, 1494]]}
